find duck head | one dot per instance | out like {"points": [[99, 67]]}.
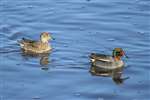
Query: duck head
{"points": [[45, 37], [118, 53]]}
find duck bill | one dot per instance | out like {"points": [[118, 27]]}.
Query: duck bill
{"points": [[52, 38], [125, 54]]}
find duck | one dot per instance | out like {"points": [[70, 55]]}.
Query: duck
{"points": [[108, 61], [36, 46]]}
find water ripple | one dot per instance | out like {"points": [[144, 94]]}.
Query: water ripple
{"points": [[79, 28]]}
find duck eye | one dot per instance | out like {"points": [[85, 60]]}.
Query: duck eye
{"points": [[117, 53]]}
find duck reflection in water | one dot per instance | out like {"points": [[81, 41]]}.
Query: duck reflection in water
{"points": [[43, 58], [116, 74]]}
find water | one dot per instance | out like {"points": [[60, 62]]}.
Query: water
{"points": [[79, 28]]}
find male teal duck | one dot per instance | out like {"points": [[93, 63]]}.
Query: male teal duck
{"points": [[108, 61], [41, 46]]}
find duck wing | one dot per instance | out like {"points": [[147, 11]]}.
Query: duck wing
{"points": [[27, 40], [104, 64], [28, 43], [101, 57]]}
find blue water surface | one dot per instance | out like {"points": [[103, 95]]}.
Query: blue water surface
{"points": [[79, 28]]}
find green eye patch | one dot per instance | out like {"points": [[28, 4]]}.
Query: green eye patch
{"points": [[115, 53]]}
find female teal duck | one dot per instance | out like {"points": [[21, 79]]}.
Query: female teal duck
{"points": [[41, 46], [107, 61]]}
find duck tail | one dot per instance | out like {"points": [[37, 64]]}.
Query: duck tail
{"points": [[21, 42], [92, 55]]}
